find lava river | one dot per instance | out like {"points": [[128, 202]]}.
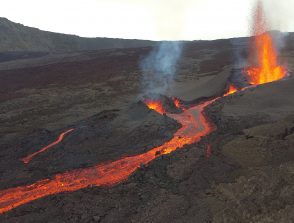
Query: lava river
{"points": [[194, 126]]}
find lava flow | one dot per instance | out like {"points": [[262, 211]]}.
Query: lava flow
{"points": [[194, 126], [267, 69], [208, 151], [232, 90], [28, 158], [155, 105]]}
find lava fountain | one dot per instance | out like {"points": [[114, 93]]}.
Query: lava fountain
{"points": [[267, 69], [155, 105]]}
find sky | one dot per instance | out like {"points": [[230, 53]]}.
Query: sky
{"points": [[147, 19]]}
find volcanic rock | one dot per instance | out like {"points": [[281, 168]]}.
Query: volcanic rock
{"points": [[195, 90]]}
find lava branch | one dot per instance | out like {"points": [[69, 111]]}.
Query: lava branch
{"points": [[28, 158], [194, 126]]}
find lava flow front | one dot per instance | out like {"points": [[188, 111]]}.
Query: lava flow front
{"points": [[194, 126], [267, 69]]}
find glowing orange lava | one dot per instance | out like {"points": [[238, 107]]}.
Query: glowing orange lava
{"points": [[232, 90], [28, 158], [155, 105], [177, 102], [194, 126], [267, 69]]}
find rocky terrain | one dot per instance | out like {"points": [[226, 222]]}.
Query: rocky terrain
{"points": [[248, 177], [17, 37]]}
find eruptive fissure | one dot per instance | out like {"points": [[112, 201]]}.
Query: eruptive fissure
{"points": [[28, 158]]}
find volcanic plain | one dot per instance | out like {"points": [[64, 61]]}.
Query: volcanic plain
{"points": [[241, 172]]}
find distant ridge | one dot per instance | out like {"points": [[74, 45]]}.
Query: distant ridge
{"points": [[17, 37]]}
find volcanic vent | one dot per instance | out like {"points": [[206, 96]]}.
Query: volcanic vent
{"points": [[264, 56]]}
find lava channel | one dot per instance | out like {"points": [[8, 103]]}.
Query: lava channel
{"points": [[194, 126]]}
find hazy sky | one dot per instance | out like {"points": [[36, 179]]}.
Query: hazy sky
{"points": [[146, 19]]}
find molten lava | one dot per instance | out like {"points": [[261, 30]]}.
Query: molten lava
{"points": [[232, 90], [194, 126], [177, 102], [267, 69], [28, 158], [155, 105]]}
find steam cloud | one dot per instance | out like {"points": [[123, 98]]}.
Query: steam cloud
{"points": [[160, 66]]}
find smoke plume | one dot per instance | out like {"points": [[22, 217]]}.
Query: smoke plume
{"points": [[159, 67]]}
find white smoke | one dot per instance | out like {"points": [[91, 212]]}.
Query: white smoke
{"points": [[159, 67]]}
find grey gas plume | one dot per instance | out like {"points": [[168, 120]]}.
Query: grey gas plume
{"points": [[159, 67]]}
